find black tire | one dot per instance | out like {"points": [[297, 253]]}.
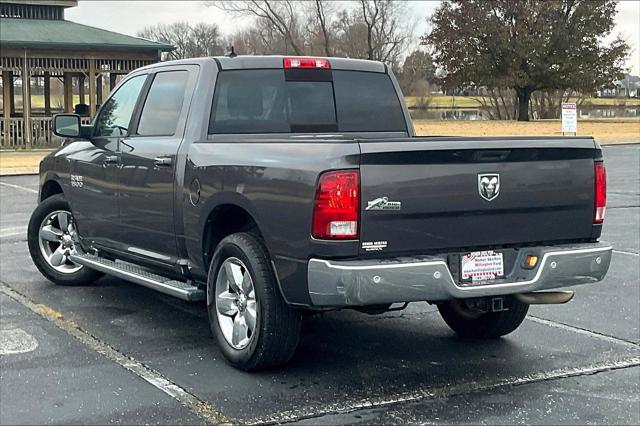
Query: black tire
{"points": [[83, 276], [489, 325], [277, 330]]}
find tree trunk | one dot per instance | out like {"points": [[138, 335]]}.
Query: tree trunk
{"points": [[524, 96]]}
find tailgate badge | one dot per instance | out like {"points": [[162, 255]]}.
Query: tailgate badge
{"points": [[489, 185], [383, 203]]}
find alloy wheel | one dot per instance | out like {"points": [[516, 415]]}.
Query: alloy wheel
{"points": [[58, 239], [236, 305]]}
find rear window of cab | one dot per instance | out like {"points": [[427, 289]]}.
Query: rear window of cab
{"points": [[268, 101]]}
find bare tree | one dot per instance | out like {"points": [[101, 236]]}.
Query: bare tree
{"points": [[376, 29], [350, 36], [498, 103], [369, 29], [175, 34], [370, 15], [319, 25], [259, 39], [281, 15], [548, 103], [205, 40], [189, 41], [417, 73], [386, 34]]}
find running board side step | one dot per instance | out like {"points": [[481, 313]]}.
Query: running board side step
{"points": [[138, 275]]}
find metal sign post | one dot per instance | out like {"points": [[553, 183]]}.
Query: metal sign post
{"points": [[569, 118]]}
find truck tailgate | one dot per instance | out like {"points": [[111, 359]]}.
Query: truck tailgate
{"points": [[428, 194]]}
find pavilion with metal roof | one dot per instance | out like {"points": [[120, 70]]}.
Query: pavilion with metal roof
{"points": [[38, 46]]}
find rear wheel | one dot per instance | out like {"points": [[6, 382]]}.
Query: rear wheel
{"points": [[469, 321], [52, 237], [252, 323]]}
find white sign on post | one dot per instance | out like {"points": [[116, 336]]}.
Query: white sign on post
{"points": [[569, 117]]}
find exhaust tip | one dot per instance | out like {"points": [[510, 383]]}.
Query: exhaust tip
{"points": [[545, 297]]}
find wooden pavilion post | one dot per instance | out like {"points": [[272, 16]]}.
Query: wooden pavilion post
{"points": [[7, 82], [47, 94], [81, 89], [92, 88], [26, 101], [12, 94], [68, 91], [113, 78], [99, 89]]}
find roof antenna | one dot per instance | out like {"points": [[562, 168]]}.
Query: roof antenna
{"points": [[232, 53]]}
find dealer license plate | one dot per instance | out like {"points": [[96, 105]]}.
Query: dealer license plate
{"points": [[482, 266]]}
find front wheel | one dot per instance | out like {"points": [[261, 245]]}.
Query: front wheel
{"points": [[468, 321], [52, 237], [252, 323]]}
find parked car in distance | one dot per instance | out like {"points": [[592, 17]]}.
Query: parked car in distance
{"points": [[272, 186]]}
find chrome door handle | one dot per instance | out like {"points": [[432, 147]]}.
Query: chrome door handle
{"points": [[110, 159], [163, 161]]}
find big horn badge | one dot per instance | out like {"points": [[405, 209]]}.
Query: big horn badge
{"points": [[489, 186]]}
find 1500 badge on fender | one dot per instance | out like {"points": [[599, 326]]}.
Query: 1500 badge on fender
{"points": [[76, 181]]}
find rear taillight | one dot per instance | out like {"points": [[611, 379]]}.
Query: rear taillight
{"points": [[600, 199], [336, 208], [306, 63]]}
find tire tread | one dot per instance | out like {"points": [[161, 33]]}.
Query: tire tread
{"points": [[83, 276], [278, 340]]}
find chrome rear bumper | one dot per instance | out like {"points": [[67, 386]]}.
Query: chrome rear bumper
{"points": [[382, 281]]}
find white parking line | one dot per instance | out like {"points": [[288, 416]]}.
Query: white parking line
{"points": [[446, 391], [563, 326], [23, 188], [200, 408], [630, 253], [12, 232], [16, 341]]}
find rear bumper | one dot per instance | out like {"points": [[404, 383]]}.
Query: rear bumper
{"points": [[428, 278]]}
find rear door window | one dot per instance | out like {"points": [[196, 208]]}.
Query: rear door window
{"points": [[163, 105], [251, 101]]}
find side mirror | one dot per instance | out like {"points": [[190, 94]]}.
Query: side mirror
{"points": [[66, 125]]}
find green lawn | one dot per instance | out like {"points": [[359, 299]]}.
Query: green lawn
{"points": [[445, 102], [633, 102], [469, 102], [37, 101]]}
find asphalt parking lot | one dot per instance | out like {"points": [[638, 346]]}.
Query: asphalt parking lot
{"points": [[115, 352]]}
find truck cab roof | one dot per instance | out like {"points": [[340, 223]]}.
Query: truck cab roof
{"points": [[276, 61], [273, 62]]}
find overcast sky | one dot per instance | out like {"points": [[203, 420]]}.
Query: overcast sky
{"points": [[129, 17]]}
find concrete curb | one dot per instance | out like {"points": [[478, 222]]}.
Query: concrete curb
{"points": [[19, 171], [25, 151]]}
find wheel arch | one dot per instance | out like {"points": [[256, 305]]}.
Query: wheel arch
{"points": [[223, 220], [50, 188], [230, 213]]}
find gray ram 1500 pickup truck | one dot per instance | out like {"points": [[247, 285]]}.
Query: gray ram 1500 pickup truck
{"points": [[270, 186]]}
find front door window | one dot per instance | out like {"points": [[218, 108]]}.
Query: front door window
{"points": [[115, 115]]}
